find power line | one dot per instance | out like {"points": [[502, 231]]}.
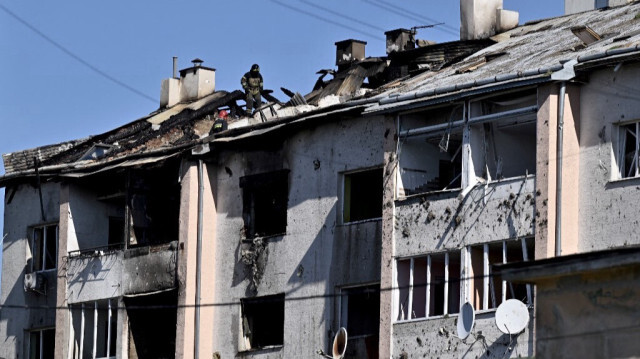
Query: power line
{"points": [[364, 289], [406, 14], [343, 16], [426, 18], [318, 17], [74, 56]]}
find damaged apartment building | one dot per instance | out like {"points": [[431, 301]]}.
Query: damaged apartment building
{"points": [[379, 202]]}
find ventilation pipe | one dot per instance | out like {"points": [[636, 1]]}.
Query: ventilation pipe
{"points": [[194, 83], [481, 19]]}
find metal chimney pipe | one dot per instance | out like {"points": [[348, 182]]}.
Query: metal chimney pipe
{"points": [[175, 67]]}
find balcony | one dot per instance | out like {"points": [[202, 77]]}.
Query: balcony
{"points": [[108, 273]]}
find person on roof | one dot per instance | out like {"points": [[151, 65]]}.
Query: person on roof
{"points": [[252, 85], [220, 124]]}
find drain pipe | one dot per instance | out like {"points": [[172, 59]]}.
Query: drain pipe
{"points": [[566, 74], [199, 261], [560, 139]]}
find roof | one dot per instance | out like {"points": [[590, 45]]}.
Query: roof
{"points": [[534, 49], [550, 268], [524, 56]]}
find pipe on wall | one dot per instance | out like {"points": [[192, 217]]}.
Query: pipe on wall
{"points": [[559, 152], [196, 342]]}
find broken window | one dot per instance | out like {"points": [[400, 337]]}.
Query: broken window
{"points": [[428, 286], [264, 203], [362, 195], [41, 343], [152, 322], [430, 151], [486, 289], [44, 244], [94, 326], [502, 136], [360, 310], [628, 150], [262, 321]]}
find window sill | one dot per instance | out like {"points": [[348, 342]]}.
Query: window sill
{"points": [[267, 237], [435, 317], [423, 194], [622, 180], [377, 219], [43, 271], [268, 348]]}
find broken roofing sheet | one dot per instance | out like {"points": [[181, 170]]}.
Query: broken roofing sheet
{"points": [[531, 51], [170, 129], [526, 51]]}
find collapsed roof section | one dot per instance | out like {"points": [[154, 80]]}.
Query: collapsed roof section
{"points": [[408, 77]]}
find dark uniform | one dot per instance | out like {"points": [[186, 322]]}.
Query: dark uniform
{"points": [[252, 85]]}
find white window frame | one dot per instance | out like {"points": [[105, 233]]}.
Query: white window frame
{"points": [[39, 330], [622, 130], [84, 308], [34, 249], [465, 280], [398, 300], [486, 277]]}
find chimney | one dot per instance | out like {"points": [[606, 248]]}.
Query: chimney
{"points": [[575, 6], [348, 51], [399, 40], [194, 83], [481, 19]]}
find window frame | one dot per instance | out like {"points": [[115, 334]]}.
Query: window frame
{"points": [[245, 342], [255, 184], [83, 308], [343, 308], [43, 249], [465, 292], [621, 172], [428, 287], [40, 339], [346, 203]]}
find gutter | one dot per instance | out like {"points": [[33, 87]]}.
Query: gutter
{"points": [[501, 78]]}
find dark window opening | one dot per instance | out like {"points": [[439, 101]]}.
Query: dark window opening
{"points": [[265, 200], [44, 247], [363, 195], [263, 321], [42, 344], [361, 310], [152, 325]]}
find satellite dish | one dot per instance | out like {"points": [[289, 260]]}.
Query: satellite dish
{"points": [[512, 316], [466, 318], [339, 344]]}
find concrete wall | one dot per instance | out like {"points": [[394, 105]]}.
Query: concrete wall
{"points": [[593, 315], [89, 225], [437, 338], [440, 221], [608, 206], [316, 255], [22, 212]]}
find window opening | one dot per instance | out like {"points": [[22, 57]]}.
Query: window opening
{"points": [[487, 289], [44, 248], [428, 286], [363, 195], [263, 321], [265, 201], [360, 310], [94, 330], [42, 343], [629, 148]]}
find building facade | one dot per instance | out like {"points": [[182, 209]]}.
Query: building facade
{"points": [[378, 206]]}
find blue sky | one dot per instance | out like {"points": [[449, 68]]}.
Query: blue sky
{"points": [[78, 82]]}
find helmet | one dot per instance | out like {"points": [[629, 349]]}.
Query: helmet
{"points": [[223, 114], [255, 68]]}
